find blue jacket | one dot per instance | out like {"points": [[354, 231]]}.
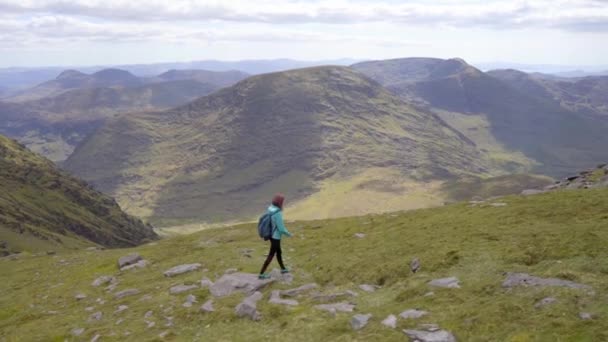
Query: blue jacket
{"points": [[277, 223]]}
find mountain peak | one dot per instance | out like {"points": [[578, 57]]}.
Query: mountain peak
{"points": [[68, 74], [112, 74]]}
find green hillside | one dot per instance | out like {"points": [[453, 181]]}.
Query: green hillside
{"points": [[42, 208], [221, 156], [555, 235], [556, 139]]}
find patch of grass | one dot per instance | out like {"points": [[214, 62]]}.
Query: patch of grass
{"points": [[559, 234]]}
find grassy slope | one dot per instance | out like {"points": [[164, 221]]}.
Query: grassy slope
{"points": [[224, 154], [42, 208], [467, 188], [558, 234]]}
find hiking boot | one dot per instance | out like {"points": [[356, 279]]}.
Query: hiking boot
{"points": [[264, 276], [285, 270]]}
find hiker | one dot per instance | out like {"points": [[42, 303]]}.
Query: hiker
{"points": [[278, 230]]}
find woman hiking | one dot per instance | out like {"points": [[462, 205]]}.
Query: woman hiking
{"points": [[278, 230]]}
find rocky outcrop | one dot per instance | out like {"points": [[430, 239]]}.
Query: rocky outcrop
{"points": [[275, 298], [450, 283], [128, 260], [238, 282], [413, 314], [359, 321], [524, 279], [182, 288], [336, 307], [180, 269], [299, 290], [430, 336], [247, 308]]}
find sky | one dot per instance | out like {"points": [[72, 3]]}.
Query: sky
{"points": [[106, 32]]}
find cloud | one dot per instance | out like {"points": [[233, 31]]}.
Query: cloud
{"points": [[586, 15]]}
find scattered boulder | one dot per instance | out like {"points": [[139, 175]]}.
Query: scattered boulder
{"points": [[96, 316], [103, 280], [206, 283], [335, 307], [524, 279], [182, 288], [585, 316], [299, 290], [151, 324], [286, 278], [360, 235], [126, 293], [96, 338], [77, 331], [140, 264], [275, 298], [149, 314], [390, 321], [412, 314], [415, 265], [247, 308], [89, 308], [180, 269], [208, 306], [544, 302], [164, 334], [498, 204], [430, 336], [80, 296], [190, 300], [319, 297], [238, 282], [129, 260], [121, 308], [359, 321], [368, 287], [450, 283]]}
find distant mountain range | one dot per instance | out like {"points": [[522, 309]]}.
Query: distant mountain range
{"points": [[43, 208]]}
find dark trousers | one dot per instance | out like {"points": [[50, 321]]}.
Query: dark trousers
{"points": [[275, 248]]}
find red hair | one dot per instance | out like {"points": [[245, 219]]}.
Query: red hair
{"points": [[278, 200]]}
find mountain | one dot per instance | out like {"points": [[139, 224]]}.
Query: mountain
{"points": [[222, 155], [42, 208], [497, 115], [585, 95], [53, 126], [508, 256], [218, 78]]}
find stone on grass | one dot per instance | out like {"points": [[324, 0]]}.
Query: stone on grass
{"points": [[430, 336], [231, 270], [320, 297], [413, 314], [151, 324], [359, 235], [180, 269], [182, 288], [77, 331], [286, 278], [299, 290], [96, 338], [103, 280], [585, 316], [121, 308], [149, 314], [530, 192], [247, 283], [450, 283], [128, 260], [126, 293], [140, 264], [368, 287], [208, 306], [190, 300], [544, 302], [164, 334], [498, 204], [336, 307], [275, 298], [89, 308], [247, 308], [390, 321], [524, 279], [96, 316], [80, 296], [415, 265], [359, 321], [206, 283]]}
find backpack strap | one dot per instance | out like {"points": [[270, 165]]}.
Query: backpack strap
{"points": [[271, 215]]}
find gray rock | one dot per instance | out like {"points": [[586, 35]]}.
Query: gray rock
{"points": [[77, 331], [190, 300], [206, 283], [126, 293], [208, 306], [530, 192], [368, 287], [140, 264], [128, 260], [359, 321], [121, 308], [149, 314], [103, 280], [275, 298], [524, 279], [415, 265], [544, 302], [450, 283], [585, 316], [164, 334], [96, 338], [180, 269], [80, 296], [182, 288], [412, 314], [390, 321], [286, 278], [299, 290], [96, 316], [238, 282], [430, 336], [336, 307], [360, 235], [247, 308], [319, 297], [498, 204], [429, 327], [429, 294], [89, 308], [119, 321], [151, 324]]}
